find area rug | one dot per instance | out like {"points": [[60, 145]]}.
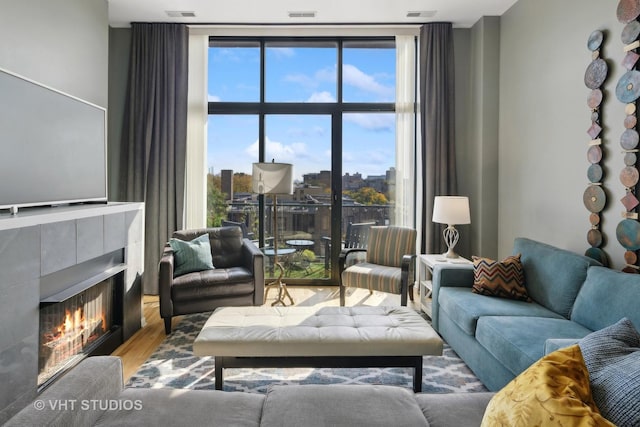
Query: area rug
{"points": [[173, 365]]}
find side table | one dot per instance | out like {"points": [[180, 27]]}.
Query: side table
{"points": [[425, 270]]}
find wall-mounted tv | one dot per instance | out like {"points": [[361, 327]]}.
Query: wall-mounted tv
{"points": [[53, 146]]}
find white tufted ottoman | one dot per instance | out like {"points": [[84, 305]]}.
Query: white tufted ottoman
{"points": [[335, 337]]}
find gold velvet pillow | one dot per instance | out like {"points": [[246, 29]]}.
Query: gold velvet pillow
{"points": [[503, 279], [554, 391]]}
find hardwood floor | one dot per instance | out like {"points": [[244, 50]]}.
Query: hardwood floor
{"points": [[144, 342]]}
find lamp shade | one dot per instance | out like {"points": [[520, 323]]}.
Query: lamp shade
{"points": [[272, 178], [451, 210]]}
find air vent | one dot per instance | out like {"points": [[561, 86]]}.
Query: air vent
{"points": [[308, 14], [181, 14], [421, 14]]}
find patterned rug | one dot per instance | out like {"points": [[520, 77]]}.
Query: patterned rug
{"points": [[174, 365]]}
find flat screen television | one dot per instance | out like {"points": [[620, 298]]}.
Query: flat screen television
{"points": [[53, 146]]}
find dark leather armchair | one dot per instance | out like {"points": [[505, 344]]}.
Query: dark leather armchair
{"points": [[236, 280]]}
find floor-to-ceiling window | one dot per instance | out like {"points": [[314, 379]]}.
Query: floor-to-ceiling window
{"points": [[327, 106]]}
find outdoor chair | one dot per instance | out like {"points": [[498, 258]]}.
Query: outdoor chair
{"points": [[356, 236], [388, 266]]}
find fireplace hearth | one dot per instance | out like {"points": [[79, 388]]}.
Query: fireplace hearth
{"points": [[80, 321]]}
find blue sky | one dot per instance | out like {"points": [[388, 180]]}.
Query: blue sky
{"points": [[302, 75]]}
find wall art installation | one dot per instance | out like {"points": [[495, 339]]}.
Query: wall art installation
{"points": [[627, 92], [594, 197]]}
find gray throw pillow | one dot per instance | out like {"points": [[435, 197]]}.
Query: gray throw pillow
{"points": [[612, 357], [191, 256]]}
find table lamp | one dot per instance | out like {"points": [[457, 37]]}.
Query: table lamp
{"points": [[451, 210], [273, 179]]}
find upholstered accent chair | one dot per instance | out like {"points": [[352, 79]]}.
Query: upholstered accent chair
{"points": [[236, 279], [388, 265]]}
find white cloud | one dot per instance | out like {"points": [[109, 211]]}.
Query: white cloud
{"points": [[353, 76], [375, 122], [282, 52], [214, 98], [278, 151], [323, 96], [301, 79]]}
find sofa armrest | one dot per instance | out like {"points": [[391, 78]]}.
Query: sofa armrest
{"points": [[69, 401], [448, 275], [253, 259], [165, 281]]}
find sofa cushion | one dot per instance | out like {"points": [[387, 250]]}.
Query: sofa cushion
{"points": [[172, 407], [465, 307], [454, 409], [606, 297], [212, 283], [612, 356], [503, 279], [518, 341], [192, 255], [552, 392], [553, 276], [340, 406]]}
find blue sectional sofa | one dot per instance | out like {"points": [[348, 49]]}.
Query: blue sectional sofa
{"points": [[499, 338]]}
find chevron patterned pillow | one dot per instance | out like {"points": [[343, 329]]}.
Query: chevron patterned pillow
{"points": [[503, 279]]}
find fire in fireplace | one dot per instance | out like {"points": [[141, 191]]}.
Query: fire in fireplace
{"points": [[73, 328]]}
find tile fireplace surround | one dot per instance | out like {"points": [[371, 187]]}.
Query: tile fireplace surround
{"points": [[42, 252]]}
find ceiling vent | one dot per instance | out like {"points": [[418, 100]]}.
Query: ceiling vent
{"points": [[180, 14], [421, 14], [297, 14]]}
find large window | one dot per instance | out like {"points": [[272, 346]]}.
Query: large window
{"points": [[325, 105]]}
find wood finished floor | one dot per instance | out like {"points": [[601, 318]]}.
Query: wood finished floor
{"points": [[144, 342]]}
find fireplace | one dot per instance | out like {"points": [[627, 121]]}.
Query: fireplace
{"points": [[83, 320]]}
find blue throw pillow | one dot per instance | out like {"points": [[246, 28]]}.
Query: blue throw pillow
{"points": [[612, 357], [191, 256]]}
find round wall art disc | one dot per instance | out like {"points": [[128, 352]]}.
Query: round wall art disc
{"points": [[596, 74], [597, 254], [594, 173], [628, 87], [594, 198], [630, 122], [595, 40], [628, 234], [629, 139], [594, 154], [628, 10], [630, 257], [594, 99], [630, 32], [594, 219], [594, 237], [629, 176], [630, 159]]}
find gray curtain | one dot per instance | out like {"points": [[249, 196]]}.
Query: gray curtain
{"points": [[437, 126], [155, 135]]}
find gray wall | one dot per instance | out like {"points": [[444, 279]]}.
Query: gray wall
{"points": [[477, 79], [119, 48], [62, 44], [543, 122]]}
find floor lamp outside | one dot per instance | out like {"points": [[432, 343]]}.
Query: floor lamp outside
{"points": [[274, 179]]}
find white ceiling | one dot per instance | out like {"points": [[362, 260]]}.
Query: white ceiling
{"points": [[462, 13]]}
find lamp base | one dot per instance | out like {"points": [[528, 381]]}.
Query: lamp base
{"points": [[450, 254], [451, 236], [282, 288]]}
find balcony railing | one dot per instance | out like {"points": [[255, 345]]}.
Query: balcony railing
{"points": [[307, 223]]}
